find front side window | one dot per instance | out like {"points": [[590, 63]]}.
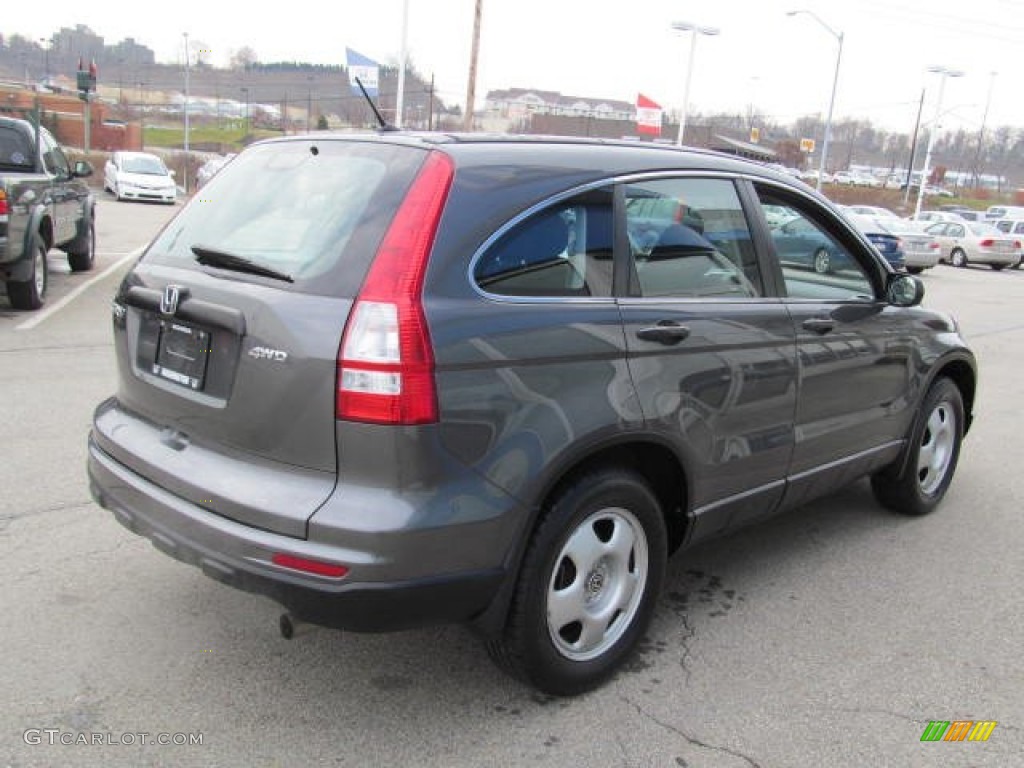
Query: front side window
{"points": [[564, 250], [689, 239], [815, 263], [53, 157]]}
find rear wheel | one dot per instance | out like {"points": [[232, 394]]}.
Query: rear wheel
{"points": [[588, 585], [822, 261], [958, 258], [997, 267], [915, 270], [31, 293], [915, 485], [82, 251]]}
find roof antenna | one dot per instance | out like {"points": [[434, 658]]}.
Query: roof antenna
{"points": [[384, 124]]}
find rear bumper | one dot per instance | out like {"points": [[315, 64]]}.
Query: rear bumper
{"points": [[241, 556]]}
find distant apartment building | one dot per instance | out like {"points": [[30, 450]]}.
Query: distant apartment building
{"points": [[517, 104]]}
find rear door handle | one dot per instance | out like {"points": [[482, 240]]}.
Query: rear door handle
{"points": [[820, 325], [665, 332]]}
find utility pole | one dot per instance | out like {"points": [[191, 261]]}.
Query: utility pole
{"points": [[430, 106], [467, 123], [913, 151], [400, 98]]}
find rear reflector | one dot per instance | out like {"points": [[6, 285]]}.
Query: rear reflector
{"points": [[386, 361], [332, 570]]}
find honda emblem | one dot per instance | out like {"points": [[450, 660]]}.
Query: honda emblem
{"points": [[169, 301]]}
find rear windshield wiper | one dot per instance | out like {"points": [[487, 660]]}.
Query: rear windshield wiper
{"points": [[213, 257]]}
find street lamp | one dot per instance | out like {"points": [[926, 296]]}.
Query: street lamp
{"points": [[694, 30], [944, 72], [184, 179], [835, 82]]}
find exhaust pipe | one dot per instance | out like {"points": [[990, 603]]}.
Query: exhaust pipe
{"points": [[292, 627]]}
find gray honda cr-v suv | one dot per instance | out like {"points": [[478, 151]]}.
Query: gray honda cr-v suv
{"points": [[393, 380]]}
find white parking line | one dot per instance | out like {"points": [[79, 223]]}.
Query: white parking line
{"points": [[50, 311]]}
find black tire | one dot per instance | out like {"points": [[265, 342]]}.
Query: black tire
{"points": [[822, 261], [617, 586], [915, 270], [31, 293], [997, 267], [82, 250], [916, 484], [958, 258]]}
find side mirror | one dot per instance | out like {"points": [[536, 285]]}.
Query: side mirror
{"points": [[904, 290], [82, 169]]}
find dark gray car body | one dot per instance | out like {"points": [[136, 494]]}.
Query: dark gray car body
{"points": [[764, 405]]}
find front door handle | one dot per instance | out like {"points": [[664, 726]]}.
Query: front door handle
{"points": [[664, 332], [819, 325]]}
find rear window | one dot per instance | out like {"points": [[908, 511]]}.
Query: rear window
{"points": [[15, 150], [313, 210]]}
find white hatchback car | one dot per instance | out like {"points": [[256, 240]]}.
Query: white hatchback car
{"points": [[139, 176]]}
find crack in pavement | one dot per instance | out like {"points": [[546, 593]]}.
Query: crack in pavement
{"points": [[692, 740], [7, 517]]}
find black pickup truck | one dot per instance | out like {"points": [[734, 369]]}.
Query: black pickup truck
{"points": [[44, 204]]}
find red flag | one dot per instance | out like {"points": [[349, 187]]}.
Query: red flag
{"points": [[648, 116]]}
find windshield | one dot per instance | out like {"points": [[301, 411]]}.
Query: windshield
{"points": [[145, 164]]}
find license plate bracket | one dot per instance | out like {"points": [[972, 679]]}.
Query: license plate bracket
{"points": [[182, 354]]}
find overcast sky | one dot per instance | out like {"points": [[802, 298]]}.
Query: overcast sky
{"points": [[780, 65]]}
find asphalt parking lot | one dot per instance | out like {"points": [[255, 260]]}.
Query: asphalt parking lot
{"points": [[830, 636]]}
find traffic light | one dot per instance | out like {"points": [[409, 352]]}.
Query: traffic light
{"points": [[86, 79]]}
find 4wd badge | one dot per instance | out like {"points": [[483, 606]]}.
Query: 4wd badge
{"points": [[266, 353]]}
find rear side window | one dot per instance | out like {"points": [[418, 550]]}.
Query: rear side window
{"points": [[311, 210], [564, 250], [15, 150]]}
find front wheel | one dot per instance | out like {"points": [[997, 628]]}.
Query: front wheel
{"points": [[915, 484], [588, 585]]}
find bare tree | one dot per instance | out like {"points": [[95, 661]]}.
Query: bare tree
{"points": [[244, 58]]}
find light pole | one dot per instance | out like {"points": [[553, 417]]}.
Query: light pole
{"points": [[184, 179], [835, 83], [943, 72], [694, 30]]}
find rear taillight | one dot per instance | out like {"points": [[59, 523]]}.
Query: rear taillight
{"points": [[1016, 244], [4, 210], [934, 245], [988, 242], [385, 364]]}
